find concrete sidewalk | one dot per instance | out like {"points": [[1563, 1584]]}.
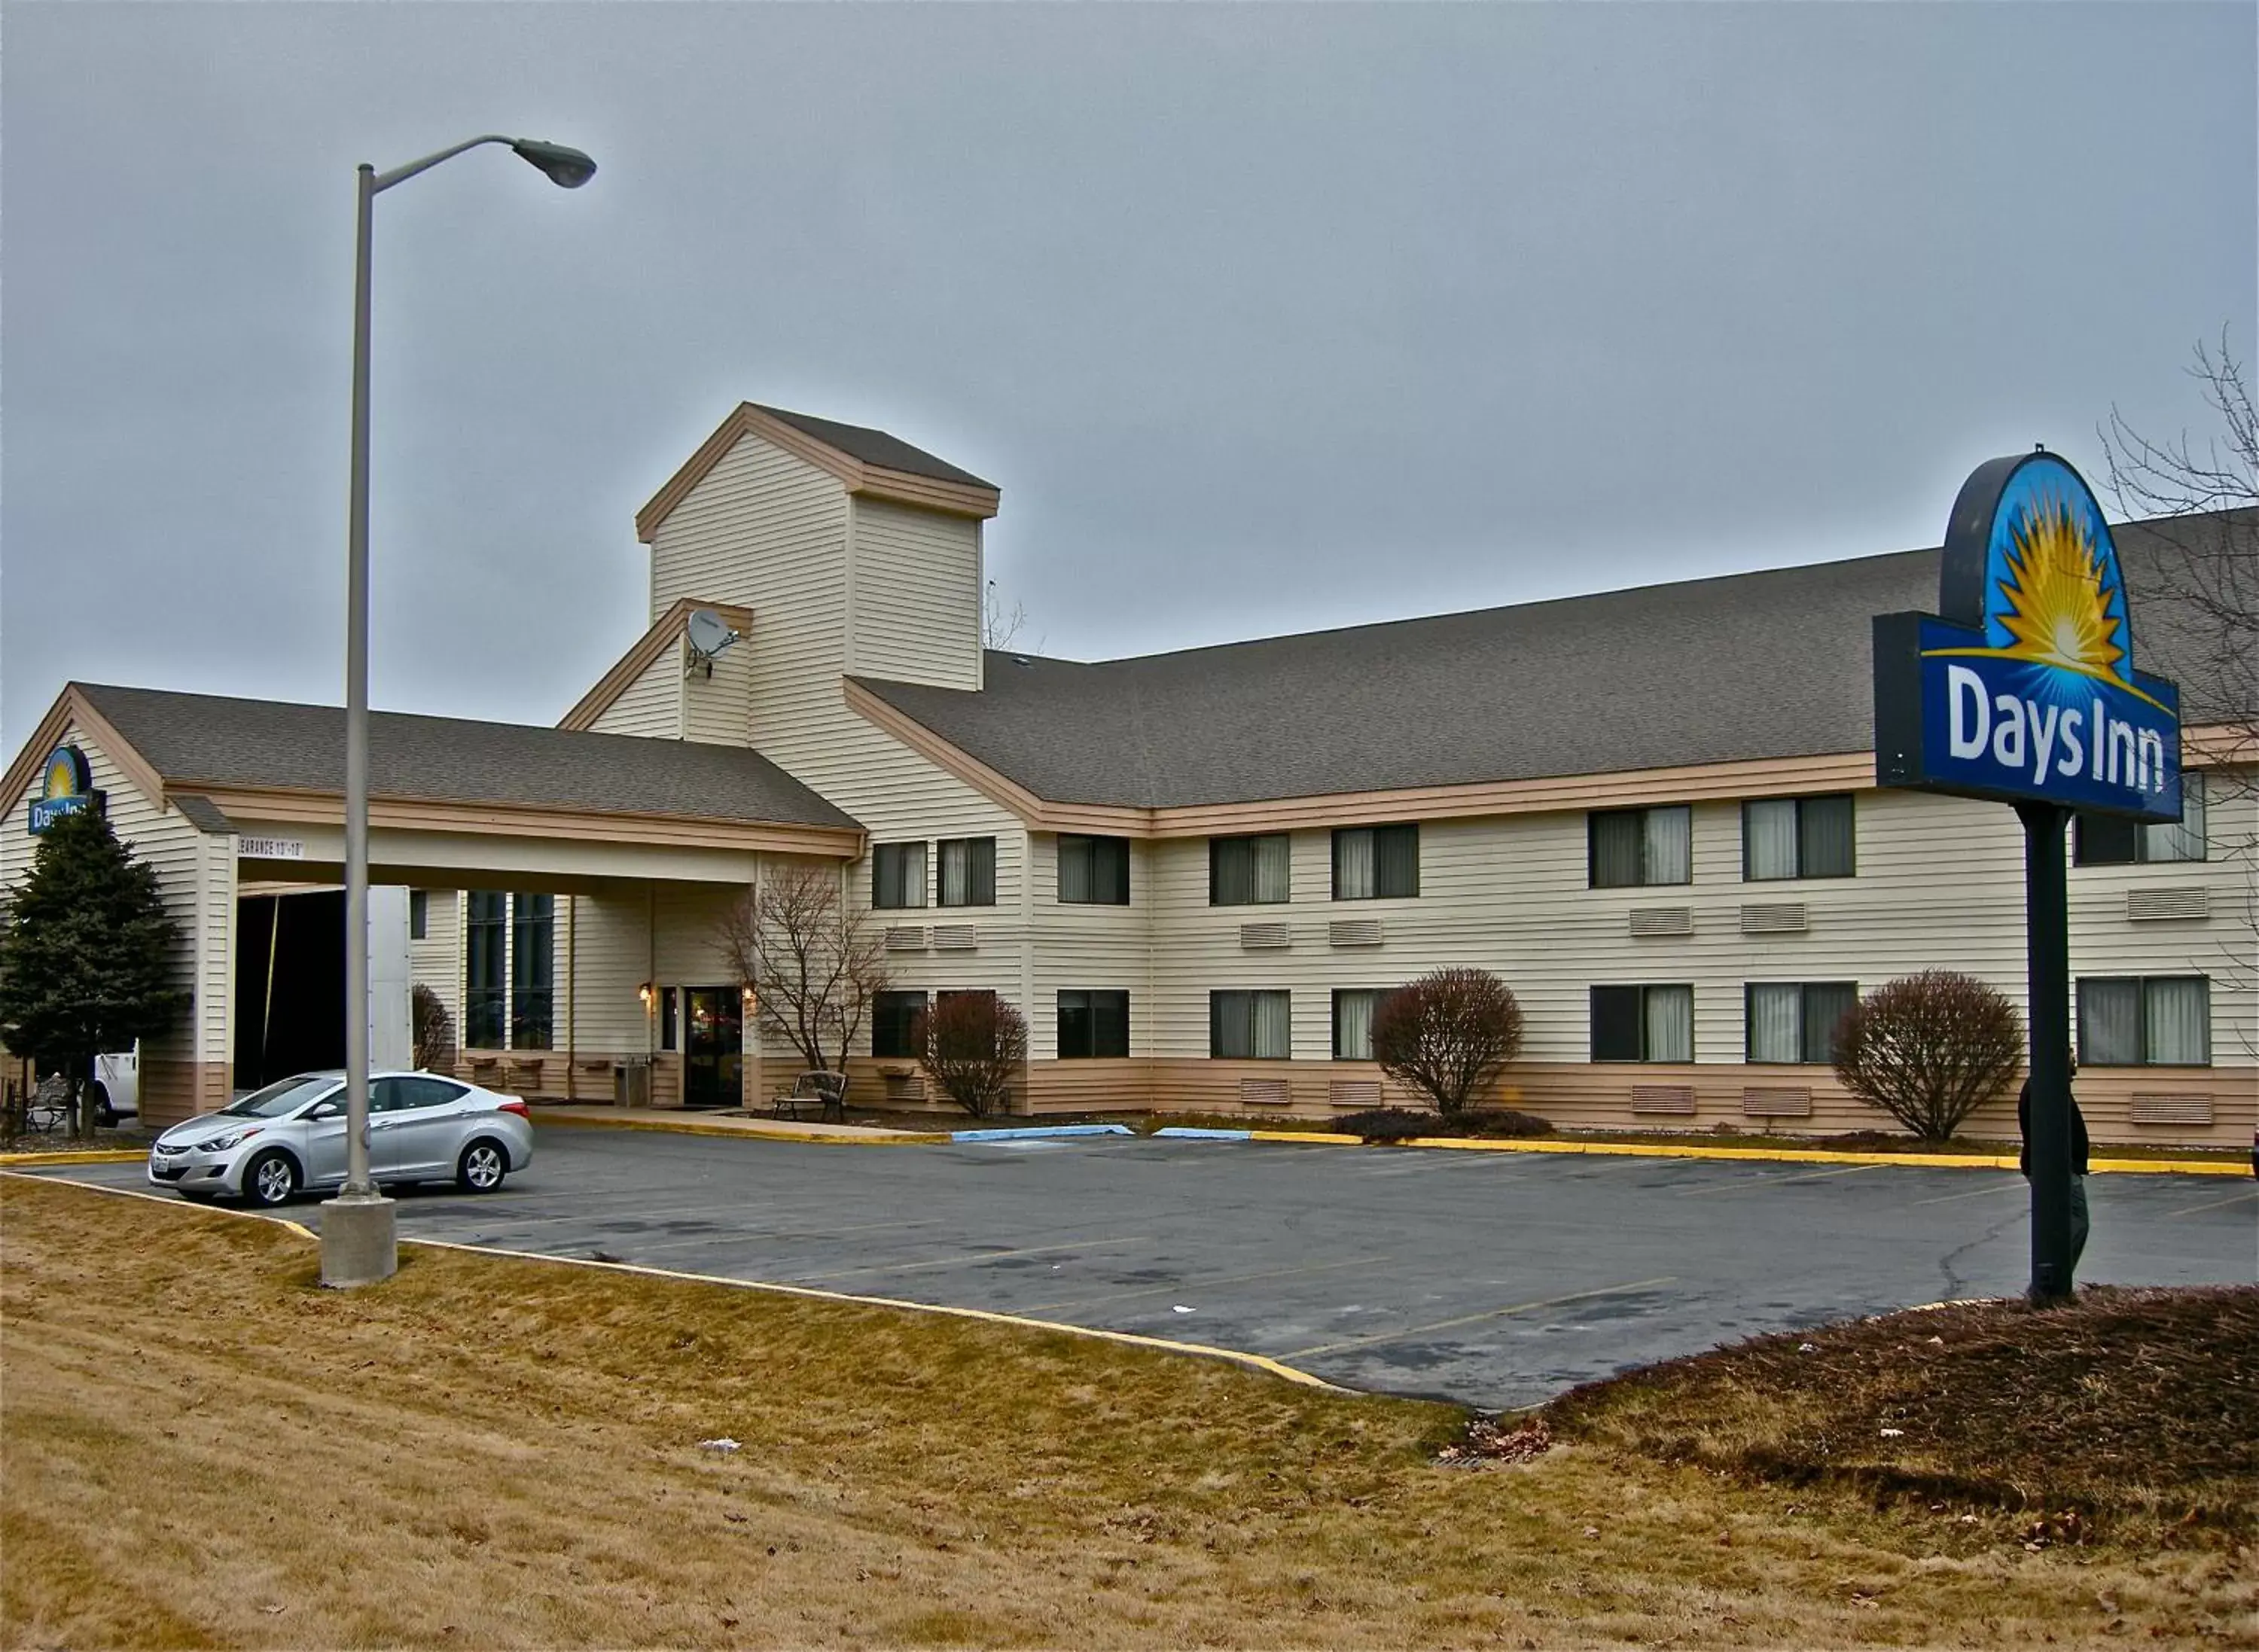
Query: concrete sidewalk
{"points": [[686, 1124]]}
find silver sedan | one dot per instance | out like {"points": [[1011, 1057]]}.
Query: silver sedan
{"points": [[272, 1144]]}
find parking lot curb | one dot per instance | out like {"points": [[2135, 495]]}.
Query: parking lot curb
{"points": [[102, 1156], [693, 1127], [1033, 1132], [1763, 1155]]}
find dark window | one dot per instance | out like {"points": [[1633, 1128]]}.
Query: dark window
{"points": [[968, 871], [1249, 1026], [1092, 1025], [898, 875], [1244, 872], [407, 1093], [1794, 1021], [669, 1008], [2111, 840], [1094, 872], [2156, 1021], [1643, 1023], [1798, 838], [532, 966], [892, 1014], [486, 979], [1631, 848], [1376, 863], [1353, 1008], [419, 914]]}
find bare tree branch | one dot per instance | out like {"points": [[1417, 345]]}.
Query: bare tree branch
{"points": [[813, 963]]}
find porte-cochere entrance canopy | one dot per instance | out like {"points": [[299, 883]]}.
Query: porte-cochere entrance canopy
{"points": [[227, 796]]}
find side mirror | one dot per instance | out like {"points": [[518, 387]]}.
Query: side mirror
{"points": [[327, 1110]]}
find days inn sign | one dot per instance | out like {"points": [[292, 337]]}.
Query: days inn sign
{"points": [[2024, 690]]}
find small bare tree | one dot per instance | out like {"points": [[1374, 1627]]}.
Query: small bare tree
{"points": [[974, 1047], [1448, 1035], [434, 1030], [1929, 1050], [814, 963]]}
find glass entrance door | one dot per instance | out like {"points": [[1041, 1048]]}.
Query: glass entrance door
{"points": [[713, 1047]]}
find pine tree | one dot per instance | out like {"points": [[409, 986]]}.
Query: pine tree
{"points": [[85, 955]]}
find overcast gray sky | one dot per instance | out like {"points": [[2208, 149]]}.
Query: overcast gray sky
{"points": [[1263, 318]]}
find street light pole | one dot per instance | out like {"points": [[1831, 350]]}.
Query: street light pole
{"points": [[359, 1243]]}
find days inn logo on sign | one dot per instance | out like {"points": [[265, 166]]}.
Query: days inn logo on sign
{"points": [[66, 786], [2024, 690]]}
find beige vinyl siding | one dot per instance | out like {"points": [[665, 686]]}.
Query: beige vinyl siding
{"points": [[717, 706], [914, 595], [652, 705], [1092, 948], [437, 960], [196, 878]]}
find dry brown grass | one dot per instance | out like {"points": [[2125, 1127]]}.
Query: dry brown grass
{"points": [[201, 1447]]}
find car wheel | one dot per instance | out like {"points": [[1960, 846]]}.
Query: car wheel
{"points": [[481, 1167], [270, 1179]]}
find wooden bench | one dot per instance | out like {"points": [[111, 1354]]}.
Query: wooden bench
{"points": [[826, 1092]]}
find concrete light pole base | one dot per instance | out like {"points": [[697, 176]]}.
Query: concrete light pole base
{"points": [[358, 1245]]}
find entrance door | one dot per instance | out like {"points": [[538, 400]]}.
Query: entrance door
{"points": [[713, 1047]]}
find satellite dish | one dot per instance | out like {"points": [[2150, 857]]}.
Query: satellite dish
{"points": [[707, 634]]}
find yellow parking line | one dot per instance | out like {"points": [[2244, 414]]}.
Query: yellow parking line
{"points": [[970, 1260], [1470, 1319], [88, 1156], [1774, 1181], [1202, 1284], [2233, 1198]]}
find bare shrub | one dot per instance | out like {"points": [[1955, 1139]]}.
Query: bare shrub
{"points": [[1448, 1034], [814, 964], [1929, 1050], [434, 1031], [974, 1047]]}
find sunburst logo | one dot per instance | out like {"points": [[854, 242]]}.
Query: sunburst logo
{"points": [[65, 777], [2054, 600]]}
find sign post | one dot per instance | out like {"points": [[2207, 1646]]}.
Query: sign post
{"points": [[2022, 690]]}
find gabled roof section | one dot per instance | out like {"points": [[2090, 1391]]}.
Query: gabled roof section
{"points": [[210, 743], [640, 659], [1751, 666], [866, 462]]}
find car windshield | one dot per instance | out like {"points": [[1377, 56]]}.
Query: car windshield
{"points": [[279, 1098]]}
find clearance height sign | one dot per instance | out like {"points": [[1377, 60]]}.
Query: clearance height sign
{"points": [[2024, 688]]}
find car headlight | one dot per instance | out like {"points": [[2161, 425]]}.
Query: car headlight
{"points": [[225, 1143]]}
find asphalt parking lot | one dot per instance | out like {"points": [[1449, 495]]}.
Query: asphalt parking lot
{"points": [[1495, 1278]]}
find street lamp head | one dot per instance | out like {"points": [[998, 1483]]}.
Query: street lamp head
{"points": [[562, 165]]}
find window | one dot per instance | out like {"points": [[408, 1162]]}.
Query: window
{"points": [[2155, 1020], [669, 1007], [898, 875], [892, 1017], [1643, 1023], [1631, 848], [1094, 872], [1092, 1025], [1797, 837], [532, 966], [1795, 1022], [1245, 872], [486, 985], [2109, 840], [402, 1095], [1249, 1027], [1376, 863], [1353, 1008], [419, 914], [968, 871]]}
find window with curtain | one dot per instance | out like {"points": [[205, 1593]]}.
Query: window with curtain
{"points": [[1376, 863], [1092, 1024], [1094, 872], [1249, 1026], [892, 1014], [1794, 1023], [1244, 872], [2107, 840], [1643, 1023], [968, 871], [1353, 1008], [898, 875], [2155, 1020], [1798, 838], [486, 966], [532, 970], [1631, 848]]}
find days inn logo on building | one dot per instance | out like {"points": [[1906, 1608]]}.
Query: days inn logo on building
{"points": [[66, 786], [2024, 688]]}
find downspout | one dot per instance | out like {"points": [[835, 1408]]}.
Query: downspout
{"points": [[572, 997]]}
